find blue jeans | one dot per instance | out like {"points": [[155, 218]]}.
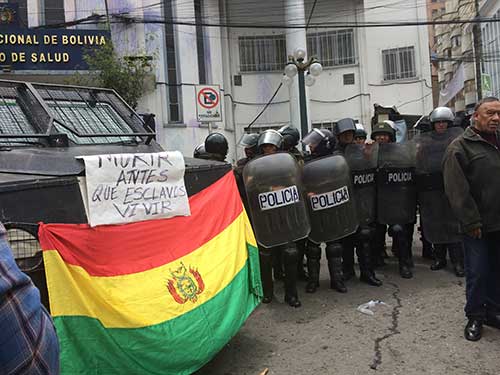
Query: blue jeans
{"points": [[482, 275]]}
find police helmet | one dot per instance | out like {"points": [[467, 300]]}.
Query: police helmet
{"points": [[199, 152], [384, 127], [321, 141], [345, 125], [440, 114], [248, 140], [216, 143], [291, 136], [270, 137], [360, 131]]}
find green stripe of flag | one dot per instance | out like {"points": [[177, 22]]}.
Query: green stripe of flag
{"points": [[178, 346]]}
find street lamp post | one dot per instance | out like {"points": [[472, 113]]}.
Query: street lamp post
{"points": [[307, 71]]}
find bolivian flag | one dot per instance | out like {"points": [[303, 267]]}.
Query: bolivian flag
{"points": [[154, 297]]}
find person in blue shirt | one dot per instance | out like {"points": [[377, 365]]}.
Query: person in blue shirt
{"points": [[28, 340]]}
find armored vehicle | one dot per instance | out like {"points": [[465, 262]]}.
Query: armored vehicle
{"points": [[42, 128]]}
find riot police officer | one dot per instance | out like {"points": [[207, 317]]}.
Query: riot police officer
{"points": [[345, 130], [291, 138], [362, 169], [275, 236], [321, 144], [381, 133], [249, 144], [396, 195], [360, 134], [439, 224], [216, 145]]}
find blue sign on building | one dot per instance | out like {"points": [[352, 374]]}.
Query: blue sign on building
{"points": [[48, 49]]}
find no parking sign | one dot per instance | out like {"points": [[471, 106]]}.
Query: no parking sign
{"points": [[208, 108]]}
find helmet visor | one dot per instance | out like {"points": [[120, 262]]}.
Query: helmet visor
{"points": [[313, 138], [248, 140]]}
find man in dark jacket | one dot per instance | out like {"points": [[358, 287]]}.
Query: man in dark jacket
{"points": [[471, 169]]}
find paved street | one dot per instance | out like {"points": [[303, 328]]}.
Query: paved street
{"points": [[420, 332]]}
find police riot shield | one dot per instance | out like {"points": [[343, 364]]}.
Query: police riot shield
{"points": [[362, 160], [330, 200], [275, 198], [438, 222], [396, 188]]}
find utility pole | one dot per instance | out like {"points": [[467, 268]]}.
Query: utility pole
{"points": [[108, 24], [478, 55]]}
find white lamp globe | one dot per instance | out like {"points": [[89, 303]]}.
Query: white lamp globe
{"points": [[286, 80], [309, 80], [299, 53], [291, 70], [315, 69]]}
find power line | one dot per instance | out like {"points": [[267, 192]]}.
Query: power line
{"points": [[339, 101], [332, 24], [311, 14], [126, 18], [265, 107], [413, 101]]}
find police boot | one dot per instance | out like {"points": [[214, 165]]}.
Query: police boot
{"points": [[278, 272], [266, 276], [348, 259], [301, 265], [457, 259], [334, 256], [313, 252], [379, 246], [427, 250], [290, 262], [367, 275], [439, 257], [404, 252]]}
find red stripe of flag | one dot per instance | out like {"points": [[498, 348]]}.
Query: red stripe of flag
{"points": [[112, 250]]}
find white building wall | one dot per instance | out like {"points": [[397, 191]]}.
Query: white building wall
{"points": [[329, 99], [413, 96]]}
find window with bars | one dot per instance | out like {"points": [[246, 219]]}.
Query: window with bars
{"points": [[333, 48], [53, 12], [399, 63], [265, 53]]}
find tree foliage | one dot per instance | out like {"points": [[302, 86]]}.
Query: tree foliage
{"points": [[127, 75]]}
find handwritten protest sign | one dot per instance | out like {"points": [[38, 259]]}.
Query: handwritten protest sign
{"points": [[124, 188]]}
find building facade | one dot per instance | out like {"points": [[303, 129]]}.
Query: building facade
{"points": [[244, 47], [460, 63], [491, 47], [435, 8]]}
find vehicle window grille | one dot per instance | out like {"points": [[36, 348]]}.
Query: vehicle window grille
{"points": [[25, 248]]}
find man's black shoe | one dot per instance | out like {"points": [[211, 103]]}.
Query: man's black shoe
{"points": [[473, 329]]}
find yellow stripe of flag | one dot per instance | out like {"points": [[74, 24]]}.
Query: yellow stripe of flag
{"points": [[145, 298]]}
